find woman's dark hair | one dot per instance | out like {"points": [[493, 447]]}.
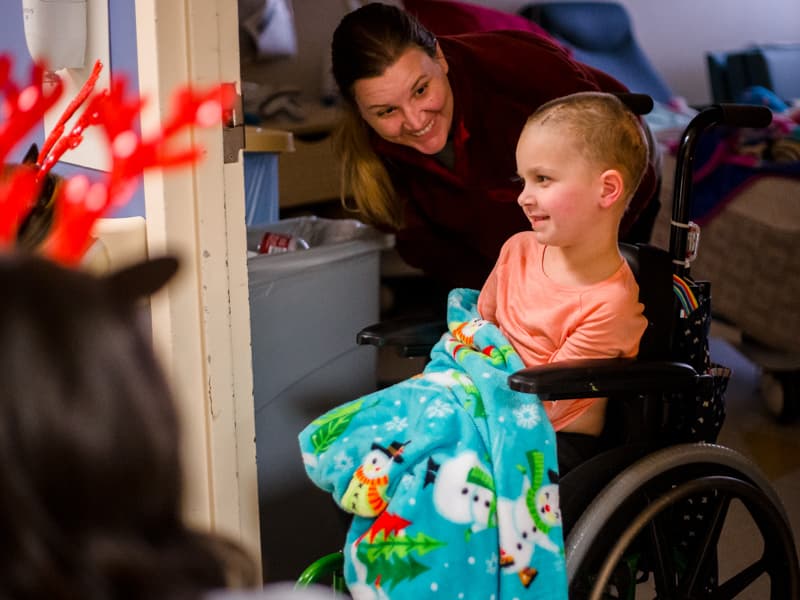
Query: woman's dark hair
{"points": [[372, 38], [90, 471]]}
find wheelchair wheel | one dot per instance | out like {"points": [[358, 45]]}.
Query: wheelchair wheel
{"points": [[328, 570], [658, 531]]}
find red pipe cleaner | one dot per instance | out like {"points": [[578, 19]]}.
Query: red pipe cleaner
{"points": [[79, 202]]}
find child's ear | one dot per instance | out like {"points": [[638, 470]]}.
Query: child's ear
{"points": [[612, 187]]}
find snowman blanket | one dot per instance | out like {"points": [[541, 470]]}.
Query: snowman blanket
{"points": [[451, 476]]}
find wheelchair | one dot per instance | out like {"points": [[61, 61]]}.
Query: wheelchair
{"points": [[647, 517]]}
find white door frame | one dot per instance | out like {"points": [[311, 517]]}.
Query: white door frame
{"points": [[201, 322]]}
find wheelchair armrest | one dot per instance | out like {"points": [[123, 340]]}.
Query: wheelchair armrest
{"points": [[603, 377], [411, 336]]}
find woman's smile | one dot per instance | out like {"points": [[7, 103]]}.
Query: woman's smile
{"points": [[425, 130]]}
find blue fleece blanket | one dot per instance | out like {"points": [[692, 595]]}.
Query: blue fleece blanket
{"points": [[452, 476]]}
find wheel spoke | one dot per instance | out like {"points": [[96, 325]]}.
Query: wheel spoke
{"points": [[645, 523], [739, 582], [704, 561], [664, 570]]}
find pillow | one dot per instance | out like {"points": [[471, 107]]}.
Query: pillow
{"points": [[449, 17]]}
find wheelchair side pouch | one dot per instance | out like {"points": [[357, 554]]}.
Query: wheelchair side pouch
{"points": [[700, 417]]}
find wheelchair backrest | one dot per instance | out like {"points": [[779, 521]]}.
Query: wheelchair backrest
{"points": [[631, 420], [652, 268]]}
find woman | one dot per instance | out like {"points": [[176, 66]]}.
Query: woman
{"points": [[90, 471], [427, 141]]}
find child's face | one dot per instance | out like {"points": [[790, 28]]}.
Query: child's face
{"points": [[561, 188], [411, 103]]}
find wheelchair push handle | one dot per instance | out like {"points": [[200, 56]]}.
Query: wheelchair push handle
{"points": [[639, 104], [733, 115], [745, 115]]}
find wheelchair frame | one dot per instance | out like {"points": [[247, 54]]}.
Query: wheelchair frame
{"points": [[627, 529]]}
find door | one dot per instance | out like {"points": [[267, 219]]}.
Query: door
{"points": [[201, 323]]}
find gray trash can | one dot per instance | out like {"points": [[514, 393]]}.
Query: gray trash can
{"points": [[306, 307]]}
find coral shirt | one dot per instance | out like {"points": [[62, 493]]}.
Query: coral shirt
{"points": [[547, 322]]}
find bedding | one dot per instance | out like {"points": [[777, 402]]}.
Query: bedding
{"points": [[729, 160], [451, 475], [750, 251]]}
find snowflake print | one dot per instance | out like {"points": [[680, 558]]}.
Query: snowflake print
{"points": [[527, 416], [397, 424], [438, 409], [407, 483], [492, 564], [342, 462]]}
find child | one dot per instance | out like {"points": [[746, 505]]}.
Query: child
{"points": [[563, 291]]}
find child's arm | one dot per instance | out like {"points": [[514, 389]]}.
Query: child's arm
{"points": [[612, 330], [487, 300]]}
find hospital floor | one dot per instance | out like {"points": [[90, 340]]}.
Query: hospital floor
{"points": [[774, 447], [748, 428]]}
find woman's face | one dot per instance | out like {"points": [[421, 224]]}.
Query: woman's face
{"points": [[411, 103]]}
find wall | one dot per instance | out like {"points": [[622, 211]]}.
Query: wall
{"points": [[675, 35], [315, 21], [122, 34]]}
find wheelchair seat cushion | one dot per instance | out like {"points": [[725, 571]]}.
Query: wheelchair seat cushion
{"points": [[576, 448]]}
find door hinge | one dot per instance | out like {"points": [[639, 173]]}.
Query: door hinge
{"points": [[233, 132]]}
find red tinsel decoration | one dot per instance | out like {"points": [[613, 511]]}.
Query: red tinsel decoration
{"points": [[79, 202]]}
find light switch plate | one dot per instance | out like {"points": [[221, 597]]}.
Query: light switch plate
{"points": [[93, 150]]}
